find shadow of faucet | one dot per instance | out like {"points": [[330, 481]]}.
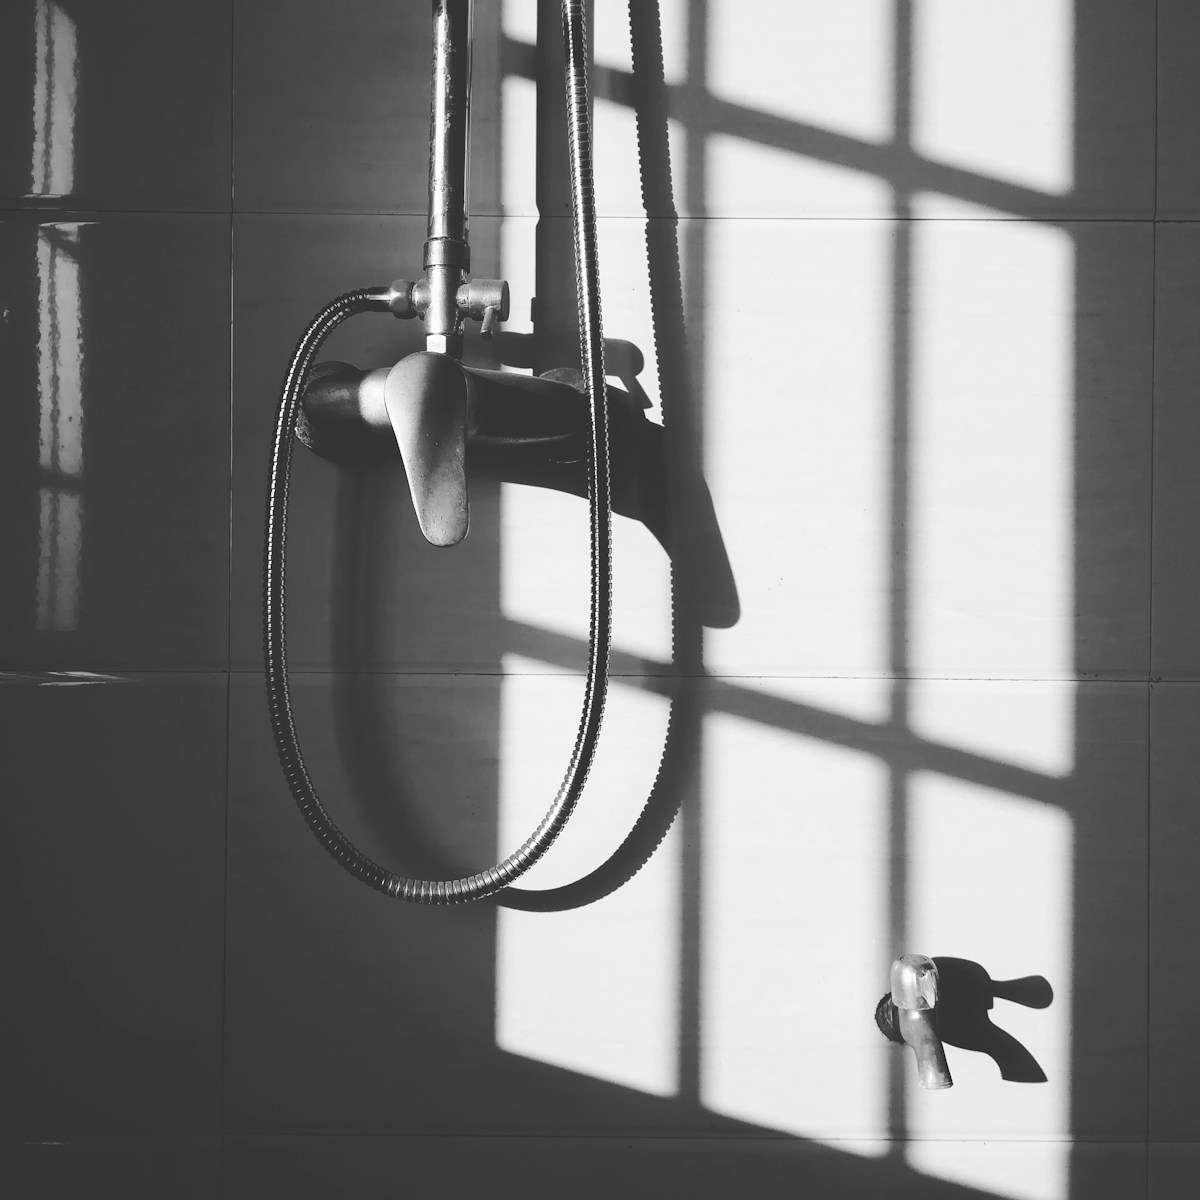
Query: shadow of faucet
{"points": [[622, 359], [968, 993]]}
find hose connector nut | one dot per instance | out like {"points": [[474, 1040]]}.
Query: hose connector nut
{"points": [[403, 302]]}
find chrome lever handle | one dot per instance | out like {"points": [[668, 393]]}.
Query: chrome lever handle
{"points": [[428, 401]]}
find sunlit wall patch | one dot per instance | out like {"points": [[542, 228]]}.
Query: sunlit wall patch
{"points": [[62, 678], [991, 454], [808, 61], [60, 334], [593, 989], [983, 305], [793, 918], [1024, 723], [520, 21], [518, 164], [60, 431], [800, 475], [990, 879], [994, 88], [56, 80], [757, 180], [618, 173]]}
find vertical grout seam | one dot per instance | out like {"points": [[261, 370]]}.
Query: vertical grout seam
{"points": [[228, 630], [1150, 605]]}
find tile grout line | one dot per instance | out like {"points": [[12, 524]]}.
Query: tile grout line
{"points": [[1150, 605], [55, 215], [228, 633], [751, 1138], [30, 675]]}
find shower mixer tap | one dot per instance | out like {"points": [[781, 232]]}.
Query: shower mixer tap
{"points": [[452, 423], [432, 403]]}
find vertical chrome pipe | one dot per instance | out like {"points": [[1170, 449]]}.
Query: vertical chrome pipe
{"points": [[447, 254]]}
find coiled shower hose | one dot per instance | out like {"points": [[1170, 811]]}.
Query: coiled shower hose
{"points": [[587, 274]]}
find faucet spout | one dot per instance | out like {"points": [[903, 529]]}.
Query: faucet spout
{"points": [[919, 1030]]}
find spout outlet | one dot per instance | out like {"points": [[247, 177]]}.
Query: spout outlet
{"points": [[919, 1031]]}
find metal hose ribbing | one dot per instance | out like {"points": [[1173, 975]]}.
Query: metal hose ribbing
{"points": [[486, 883], [677, 765], [591, 351]]}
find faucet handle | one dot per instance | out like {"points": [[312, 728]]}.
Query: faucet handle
{"points": [[914, 979], [428, 400]]}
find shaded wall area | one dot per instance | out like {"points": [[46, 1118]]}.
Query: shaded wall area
{"points": [[937, 719]]}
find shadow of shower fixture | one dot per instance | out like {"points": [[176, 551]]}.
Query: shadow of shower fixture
{"points": [[508, 427], [563, 429], [515, 429]]}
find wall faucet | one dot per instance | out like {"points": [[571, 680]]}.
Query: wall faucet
{"points": [[909, 1014]]}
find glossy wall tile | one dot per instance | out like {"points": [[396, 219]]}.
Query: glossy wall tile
{"points": [[1178, 96], [858, 109], [977, 855], [1176, 654], [1172, 1169], [117, 105], [946, 471], [922, 362], [141, 1168], [879, 111], [671, 997], [333, 988], [439, 776], [368, 1168], [116, 468], [332, 108], [1174, 900], [1108, 808], [113, 827]]}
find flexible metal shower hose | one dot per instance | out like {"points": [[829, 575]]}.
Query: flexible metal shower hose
{"points": [[486, 883]]}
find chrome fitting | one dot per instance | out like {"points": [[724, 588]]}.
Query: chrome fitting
{"points": [[484, 300], [409, 298]]}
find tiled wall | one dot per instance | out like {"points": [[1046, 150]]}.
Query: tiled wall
{"points": [[913, 297]]}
